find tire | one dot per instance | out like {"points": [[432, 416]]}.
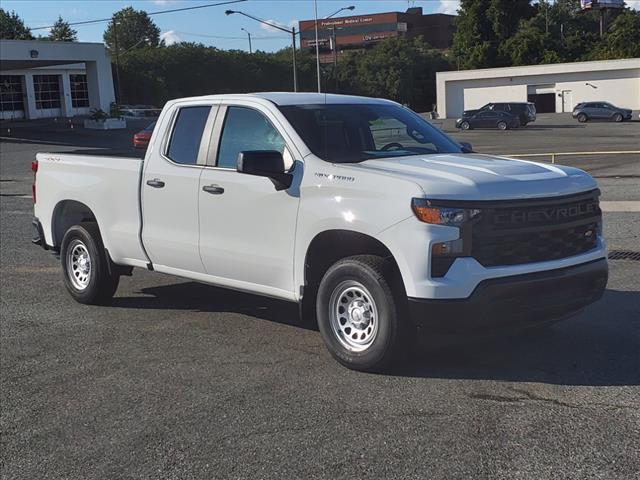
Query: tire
{"points": [[582, 118], [465, 125], [502, 126], [88, 282], [618, 118], [359, 310]]}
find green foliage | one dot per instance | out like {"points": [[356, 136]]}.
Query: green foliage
{"points": [[396, 68], [622, 39], [130, 29], [493, 33], [114, 110], [98, 114], [62, 32], [12, 27]]}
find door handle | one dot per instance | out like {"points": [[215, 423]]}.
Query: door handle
{"points": [[155, 183], [213, 189]]}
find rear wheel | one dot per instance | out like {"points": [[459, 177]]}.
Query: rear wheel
{"points": [[85, 267], [502, 125], [618, 117], [582, 118], [359, 313]]}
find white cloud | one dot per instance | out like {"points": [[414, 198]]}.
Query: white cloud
{"points": [[268, 28], [635, 4], [164, 2], [170, 37], [448, 6]]}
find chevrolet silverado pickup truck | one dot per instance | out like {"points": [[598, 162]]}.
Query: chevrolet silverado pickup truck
{"points": [[375, 222]]}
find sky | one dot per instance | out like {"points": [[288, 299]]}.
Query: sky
{"points": [[210, 25]]}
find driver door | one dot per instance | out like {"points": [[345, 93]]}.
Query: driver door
{"points": [[247, 227]]}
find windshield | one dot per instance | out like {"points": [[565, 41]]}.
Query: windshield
{"points": [[347, 133]]}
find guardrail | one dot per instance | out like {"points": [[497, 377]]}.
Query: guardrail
{"points": [[554, 155]]}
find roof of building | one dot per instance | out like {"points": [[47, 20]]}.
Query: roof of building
{"points": [[572, 67]]}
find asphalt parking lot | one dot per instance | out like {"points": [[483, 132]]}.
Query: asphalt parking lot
{"points": [[181, 380]]}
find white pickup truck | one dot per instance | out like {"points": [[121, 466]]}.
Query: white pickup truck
{"points": [[370, 218]]}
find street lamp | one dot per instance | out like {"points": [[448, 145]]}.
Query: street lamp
{"points": [[248, 35], [333, 37], [350, 7], [278, 27]]}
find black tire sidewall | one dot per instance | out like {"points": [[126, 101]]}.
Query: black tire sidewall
{"points": [[468, 126], [99, 273], [618, 117], [502, 123], [380, 353], [582, 118]]}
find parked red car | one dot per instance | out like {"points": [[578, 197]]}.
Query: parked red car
{"points": [[141, 139]]}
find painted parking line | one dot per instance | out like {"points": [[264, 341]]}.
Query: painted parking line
{"points": [[611, 206]]}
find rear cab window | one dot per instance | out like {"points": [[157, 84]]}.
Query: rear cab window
{"points": [[187, 133]]}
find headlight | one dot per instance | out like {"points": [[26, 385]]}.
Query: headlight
{"points": [[448, 216]]}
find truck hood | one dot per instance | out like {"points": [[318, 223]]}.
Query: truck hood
{"points": [[482, 177]]}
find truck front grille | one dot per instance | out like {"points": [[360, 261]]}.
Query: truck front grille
{"points": [[509, 233]]}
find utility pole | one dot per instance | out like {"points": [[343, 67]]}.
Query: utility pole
{"points": [[115, 44], [295, 74], [315, 6]]}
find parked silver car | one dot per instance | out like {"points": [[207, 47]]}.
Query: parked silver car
{"points": [[600, 111]]}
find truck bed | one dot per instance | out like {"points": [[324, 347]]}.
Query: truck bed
{"points": [[108, 186]]}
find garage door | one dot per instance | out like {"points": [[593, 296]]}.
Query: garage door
{"points": [[544, 102]]}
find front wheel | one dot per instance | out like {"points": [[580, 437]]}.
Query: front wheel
{"points": [[358, 310], [84, 264], [465, 125], [618, 117], [582, 118], [502, 125]]}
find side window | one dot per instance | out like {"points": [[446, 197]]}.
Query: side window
{"points": [[187, 134], [246, 129]]}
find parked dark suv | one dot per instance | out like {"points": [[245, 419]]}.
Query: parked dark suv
{"points": [[489, 119], [586, 111], [525, 111]]}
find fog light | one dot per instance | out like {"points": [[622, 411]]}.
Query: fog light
{"points": [[452, 247]]}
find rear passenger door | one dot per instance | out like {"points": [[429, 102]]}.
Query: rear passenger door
{"points": [[169, 190]]}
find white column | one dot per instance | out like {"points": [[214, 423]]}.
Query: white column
{"points": [[100, 84], [30, 111], [65, 100]]}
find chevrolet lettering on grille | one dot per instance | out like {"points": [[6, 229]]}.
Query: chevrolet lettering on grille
{"points": [[553, 214]]}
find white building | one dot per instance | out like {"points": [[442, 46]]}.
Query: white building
{"points": [[553, 88], [41, 79]]}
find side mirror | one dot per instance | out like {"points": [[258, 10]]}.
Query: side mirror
{"points": [[466, 147], [265, 163]]}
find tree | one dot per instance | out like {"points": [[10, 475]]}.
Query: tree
{"points": [[12, 27], [622, 39], [482, 26], [62, 32], [131, 29]]}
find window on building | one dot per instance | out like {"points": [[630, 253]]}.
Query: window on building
{"points": [[187, 134], [47, 90], [11, 98], [79, 91]]}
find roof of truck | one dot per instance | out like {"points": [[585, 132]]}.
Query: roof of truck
{"points": [[300, 98]]}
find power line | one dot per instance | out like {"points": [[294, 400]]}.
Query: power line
{"points": [[173, 10], [229, 38]]}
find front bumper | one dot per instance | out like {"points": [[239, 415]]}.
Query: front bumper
{"points": [[511, 302]]}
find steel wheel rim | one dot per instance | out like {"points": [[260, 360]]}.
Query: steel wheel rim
{"points": [[353, 316], [502, 126], [465, 125], [79, 265]]}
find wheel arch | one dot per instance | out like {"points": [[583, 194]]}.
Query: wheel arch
{"points": [[66, 214], [329, 246]]}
